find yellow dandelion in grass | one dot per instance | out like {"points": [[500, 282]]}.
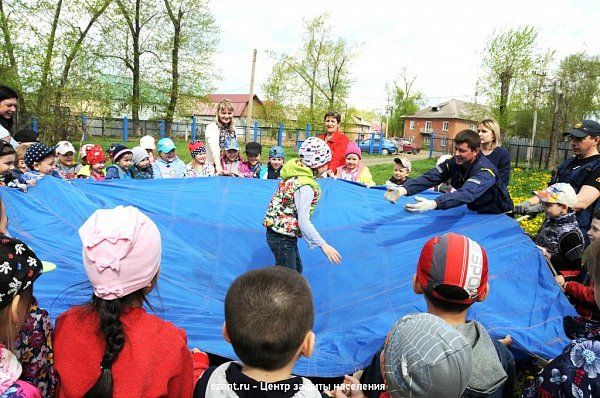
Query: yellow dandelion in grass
{"points": [[522, 184]]}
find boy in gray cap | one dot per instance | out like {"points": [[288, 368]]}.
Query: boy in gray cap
{"points": [[141, 169], [423, 357]]}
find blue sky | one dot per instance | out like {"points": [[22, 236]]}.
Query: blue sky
{"points": [[440, 42]]}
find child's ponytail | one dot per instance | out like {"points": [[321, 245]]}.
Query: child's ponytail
{"points": [[109, 312]]}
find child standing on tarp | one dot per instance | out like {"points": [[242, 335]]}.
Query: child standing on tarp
{"points": [[290, 209], [199, 167], [353, 169], [560, 238]]}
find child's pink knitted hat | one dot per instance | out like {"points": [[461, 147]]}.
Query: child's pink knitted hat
{"points": [[354, 149], [121, 251]]}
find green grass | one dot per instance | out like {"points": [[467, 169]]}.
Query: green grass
{"points": [[383, 172]]}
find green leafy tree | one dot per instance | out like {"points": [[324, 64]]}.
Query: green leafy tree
{"points": [[580, 79], [320, 71], [405, 101], [508, 60]]}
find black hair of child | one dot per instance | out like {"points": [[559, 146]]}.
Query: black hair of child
{"points": [[268, 313]]}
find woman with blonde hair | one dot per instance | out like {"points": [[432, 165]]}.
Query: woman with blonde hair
{"points": [[489, 132], [217, 132]]}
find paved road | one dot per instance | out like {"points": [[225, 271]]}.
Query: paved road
{"points": [[370, 161]]}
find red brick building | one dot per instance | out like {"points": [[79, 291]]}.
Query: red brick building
{"points": [[443, 122]]}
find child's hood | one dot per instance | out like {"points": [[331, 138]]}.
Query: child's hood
{"points": [[295, 168]]}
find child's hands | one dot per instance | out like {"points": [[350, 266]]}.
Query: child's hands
{"points": [[332, 255], [327, 174], [544, 252], [23, 187], [31, 182], [560, 280], [506, 341], [350, 388]]}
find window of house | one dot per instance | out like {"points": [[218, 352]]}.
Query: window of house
{"points": [[426, 140], [445, 126], [444, 141], [428, 125], [411, 125], [472, 127]]}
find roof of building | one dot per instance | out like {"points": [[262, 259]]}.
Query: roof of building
{"points": [[209, 107], [454, 109], [359, 121]]}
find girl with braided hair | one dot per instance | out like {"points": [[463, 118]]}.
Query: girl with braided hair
{"points": [[112, 347]]}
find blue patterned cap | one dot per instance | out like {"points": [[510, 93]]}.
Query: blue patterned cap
{"points": [[36, 153], [276, 152], [231, 143]]}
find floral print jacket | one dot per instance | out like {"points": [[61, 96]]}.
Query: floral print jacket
{"points": [[575, 372], [34, 351]]}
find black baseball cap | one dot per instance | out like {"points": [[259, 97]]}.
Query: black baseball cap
{"points": [[586, 127], [253, 148], [26, 135]]}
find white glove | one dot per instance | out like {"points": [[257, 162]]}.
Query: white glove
{"points": [[421, 206], [394, 192]]}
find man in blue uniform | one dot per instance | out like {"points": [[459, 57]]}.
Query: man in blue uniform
{"points": [[472, 175], [582, 172]]}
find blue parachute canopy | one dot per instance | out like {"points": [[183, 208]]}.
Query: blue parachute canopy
{"points": [[212, 232]]}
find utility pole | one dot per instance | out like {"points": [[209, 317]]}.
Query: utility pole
{"points": [[558, 103], [387, 117], [536, 95], [250, 96]]}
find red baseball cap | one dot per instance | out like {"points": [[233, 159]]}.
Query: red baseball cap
{"points": [[453, 260]]}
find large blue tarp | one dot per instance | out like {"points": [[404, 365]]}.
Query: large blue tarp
{"points": [[211, 232]]}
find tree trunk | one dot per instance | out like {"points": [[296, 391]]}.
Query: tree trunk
{"points": [[556, 125], [505, 79], [176, 21], [47, 64], [73, 53], [135, 105]]}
